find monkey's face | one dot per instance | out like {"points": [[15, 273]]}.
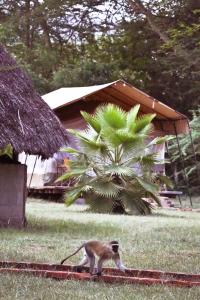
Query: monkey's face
{"points": [[115, 246]]}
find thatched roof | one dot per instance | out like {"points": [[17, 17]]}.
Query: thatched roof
{"points": [[26, 121]]}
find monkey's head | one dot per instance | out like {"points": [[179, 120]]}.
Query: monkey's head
{"points": [[115, 246]]}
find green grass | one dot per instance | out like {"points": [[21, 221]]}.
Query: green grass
{"points": [[167, 240]]}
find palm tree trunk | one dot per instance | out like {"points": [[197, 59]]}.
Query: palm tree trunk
{"points": [[118, 207]]}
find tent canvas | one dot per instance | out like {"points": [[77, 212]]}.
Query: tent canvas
{"points": [[123, 94], [42, 172]]}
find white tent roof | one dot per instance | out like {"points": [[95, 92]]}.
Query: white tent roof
{"points": [[121, 93], [64, 96]]}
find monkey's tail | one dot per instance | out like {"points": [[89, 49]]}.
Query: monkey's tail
{"points": [[62, 261]]}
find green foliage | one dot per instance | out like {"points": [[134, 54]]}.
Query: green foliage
{"points": [[180, 60], [111, 167], [63, 43], [7, 150], [87, 72], [192, 165]]}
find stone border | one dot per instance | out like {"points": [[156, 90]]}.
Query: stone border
{"points": [[111, 275]]}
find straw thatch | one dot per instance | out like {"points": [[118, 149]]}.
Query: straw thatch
{"points": [[26, 121]]}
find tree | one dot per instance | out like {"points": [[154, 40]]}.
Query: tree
{"points": [[173, 61], [88, 72], [154, 45], [43, 34], [182, 73], [191, 160], [112, 167]]}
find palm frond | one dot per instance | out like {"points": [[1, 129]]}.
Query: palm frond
{"points": [[132, 151], [92, 120], [159, 140], [114, 169], [89, 138], [86, 188], [131, 117], [149, 159], [135, 203], [68, 175], [155, 197], [98, 204], [112, 115], [105, 189], [110, 137], [71, 150], [92, 145], [125, 136], [72, 195], [147, 186], [143, 124]]}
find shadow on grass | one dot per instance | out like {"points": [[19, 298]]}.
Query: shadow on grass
{"points": [[163, 215], [69, 227]]}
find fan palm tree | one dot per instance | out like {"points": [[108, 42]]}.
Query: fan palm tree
{"points": [[112, 165]]}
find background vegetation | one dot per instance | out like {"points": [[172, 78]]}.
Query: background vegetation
{"points": [[188, 159], [152, 44]]}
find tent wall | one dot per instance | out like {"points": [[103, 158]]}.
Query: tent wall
{"points": [[70, 116], [42, 172], [39, 171]]}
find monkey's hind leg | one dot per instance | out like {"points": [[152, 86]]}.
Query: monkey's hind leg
{"points": [[92, 264], [82, 263], [91, 258]]}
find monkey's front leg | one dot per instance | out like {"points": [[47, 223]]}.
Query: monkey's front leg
{"points": [[99, 266], [120, 265]]}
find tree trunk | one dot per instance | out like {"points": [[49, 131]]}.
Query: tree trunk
{"points": [[177, 49], [43, 20], [118, 207], [27, 23]]}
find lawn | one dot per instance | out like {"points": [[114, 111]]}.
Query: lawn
{"points": [[168, 240]]}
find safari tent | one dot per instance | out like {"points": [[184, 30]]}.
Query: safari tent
{"points": [[68, 102]]}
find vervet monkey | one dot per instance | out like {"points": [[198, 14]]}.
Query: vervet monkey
{"points": [[104, 251]]}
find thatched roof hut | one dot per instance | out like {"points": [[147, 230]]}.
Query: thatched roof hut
{"points": [[26, 121]]}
